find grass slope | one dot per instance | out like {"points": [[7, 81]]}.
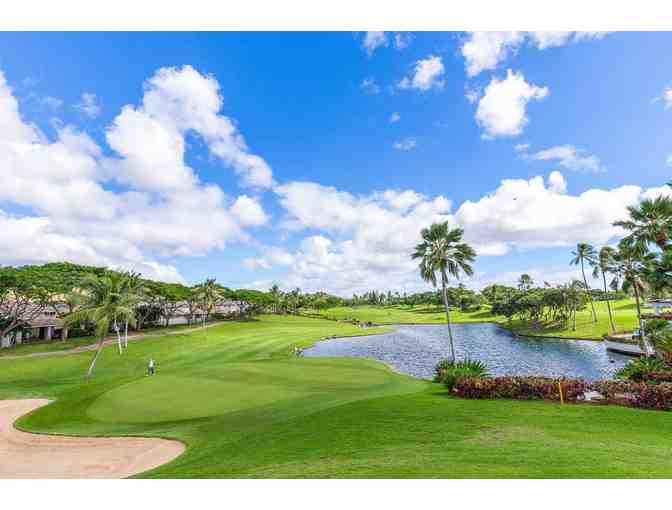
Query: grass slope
{"points": [[247, 408], [624, 312]]}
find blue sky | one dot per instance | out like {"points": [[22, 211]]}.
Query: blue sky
{"points": [[349, 187]]}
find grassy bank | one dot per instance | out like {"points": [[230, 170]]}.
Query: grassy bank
{"points": [[624, 312], [247, 408]]}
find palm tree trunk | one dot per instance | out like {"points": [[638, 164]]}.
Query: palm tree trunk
{"points": [[116, 330], [639, 309], [590, 296], [574, 318], [606, 297], [126, 335], [95, 356], [444, 291]]}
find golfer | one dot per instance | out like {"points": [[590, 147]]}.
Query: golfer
{"points": [[151, 367]]}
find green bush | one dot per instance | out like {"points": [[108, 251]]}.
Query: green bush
{"points": [[447, 372], [638, 369]]}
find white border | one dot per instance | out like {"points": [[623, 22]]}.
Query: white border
{"points": [[344, 15]]}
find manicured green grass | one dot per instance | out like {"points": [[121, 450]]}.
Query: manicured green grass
{"points": [[74, 342], [247, 408], [625, 318]]}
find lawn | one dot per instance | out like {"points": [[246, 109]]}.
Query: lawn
{"points": [[247, 408], [624, 312]]}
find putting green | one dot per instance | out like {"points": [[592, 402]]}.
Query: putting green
{"points": [[170, 398]]}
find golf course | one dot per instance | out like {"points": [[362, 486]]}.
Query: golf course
{"points": [[246, 407]]}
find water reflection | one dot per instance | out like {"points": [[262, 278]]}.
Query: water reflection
{"points": [[415, 350]]}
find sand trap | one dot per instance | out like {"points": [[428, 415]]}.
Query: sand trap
{"points": [[24, 455]]}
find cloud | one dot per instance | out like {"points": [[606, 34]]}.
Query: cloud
{"points": [[668, 161], [178, 101], [530, 214], [667, 97], [406, 144], [374, 40], [161, 209], [427, 74], [356, 243], [571, 158], [89, 105], [484, 51], [249, 212], [395, 117], [53, 102], [402, 40], [363, 242], [502, 109], [369, 85]]}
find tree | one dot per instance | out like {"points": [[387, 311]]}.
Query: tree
{"points": [[106, 303], [442, 252], [22, 298], [208, 293], [650, 222], [601, 266], [585, 253], [525, 282], [628, 267]]}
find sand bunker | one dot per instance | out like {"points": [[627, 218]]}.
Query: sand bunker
{"points": [[24, 455]]}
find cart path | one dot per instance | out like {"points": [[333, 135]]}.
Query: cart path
{"points": [[26, 455]]}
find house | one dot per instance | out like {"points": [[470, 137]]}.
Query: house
{"points": [[45, 326]]}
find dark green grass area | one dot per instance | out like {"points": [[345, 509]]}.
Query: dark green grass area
{"points": [[247, 408]]}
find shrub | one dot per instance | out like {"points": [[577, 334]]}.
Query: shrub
{"points": [[440, 369], [654, 396], [447, 372], [609, 389], [638, 369], [655, 325], [519, 388], [659, 377]]}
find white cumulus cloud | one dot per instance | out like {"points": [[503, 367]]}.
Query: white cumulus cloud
{"points": [[427, 73], [502, 111]]}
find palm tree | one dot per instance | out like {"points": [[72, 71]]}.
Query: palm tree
{"points": [[442, 252], [136, 290], [585, 253], [209, 294], [106, 302], [525, 282], [601, 266], [650, 222], [629, 264]]}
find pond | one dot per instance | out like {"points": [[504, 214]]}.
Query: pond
{"points": [[414, 350]]}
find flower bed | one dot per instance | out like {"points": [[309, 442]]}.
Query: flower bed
{"points": [[520, 388], [641, 395]]}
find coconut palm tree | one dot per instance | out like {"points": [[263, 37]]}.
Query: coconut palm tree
{"points": [[136, 290], [601, 266], [106, 303], [650, 222], [585, 253], [629, 264], [442, 252], [525, 282], [209, 294]]}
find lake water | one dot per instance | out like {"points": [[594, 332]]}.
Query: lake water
{"points": [[414, 350]]}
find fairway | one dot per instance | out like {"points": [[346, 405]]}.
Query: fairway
{"points": [[246, 407]]}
